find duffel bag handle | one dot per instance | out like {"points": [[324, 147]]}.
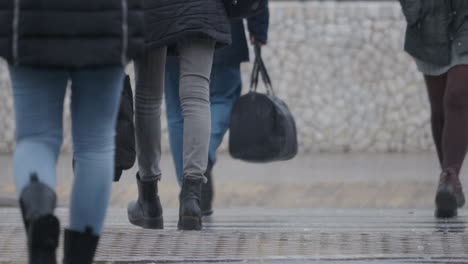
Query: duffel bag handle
{"points": [[259, 69]]}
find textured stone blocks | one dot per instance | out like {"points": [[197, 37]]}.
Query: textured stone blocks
{"points": [[342, 70]]}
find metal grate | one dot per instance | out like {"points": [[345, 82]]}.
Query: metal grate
{"points": [[262, 234]]}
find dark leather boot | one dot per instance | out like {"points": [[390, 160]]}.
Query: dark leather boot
{"points": [[79, 248], [190, 215], [449, 195], [147, 210], [37, 202], [207, 194]]}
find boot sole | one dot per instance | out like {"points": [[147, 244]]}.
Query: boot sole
{"points": [[149, 223], [207, 212], [190, 223], [446, 204], [43, 239]]}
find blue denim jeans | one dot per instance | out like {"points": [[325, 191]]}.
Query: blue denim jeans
{"points": [[225, 89], [39, 100]]}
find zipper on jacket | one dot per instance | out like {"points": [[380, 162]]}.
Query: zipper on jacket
{"points": [[16, 14], [124, 32]]}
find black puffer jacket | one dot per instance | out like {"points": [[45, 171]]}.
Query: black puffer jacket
{"points": [[167, 21], [434, 26], [70, 33]]}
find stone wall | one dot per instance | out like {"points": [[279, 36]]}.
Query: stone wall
{"points": [[341, 69]]}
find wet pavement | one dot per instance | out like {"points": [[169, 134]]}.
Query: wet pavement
{"points": [[379, 209], [268, 235], [402, 261], [309, 181]]}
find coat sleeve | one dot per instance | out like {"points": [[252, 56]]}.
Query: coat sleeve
{"points": [[258, 25]]}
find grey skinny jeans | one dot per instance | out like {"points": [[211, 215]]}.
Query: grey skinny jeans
{"points": [[196, 59]]}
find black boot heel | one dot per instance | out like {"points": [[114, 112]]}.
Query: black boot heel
{"points": [[148, 223], [190, 214], [80, 247], [37, 203], [449, 195], [446, 204], [43, 239], [147, 211], [190, 223]]}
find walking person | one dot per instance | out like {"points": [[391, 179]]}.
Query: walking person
{"points": [[225, 89], [437, 38], [46, 49], [191, 29]]}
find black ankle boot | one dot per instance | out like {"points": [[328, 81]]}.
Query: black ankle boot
{"points": [[79, 248], [207, 194], [449, 196], [37, 203], [190, 215], [147, 210]]}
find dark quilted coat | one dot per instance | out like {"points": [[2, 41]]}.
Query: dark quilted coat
{"points": [[168, 21], [6, 20], [70, 33], [434, 26]]}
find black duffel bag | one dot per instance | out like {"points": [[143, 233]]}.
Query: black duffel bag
{"points": [[125, 154], [262, 128], [244, 8]]}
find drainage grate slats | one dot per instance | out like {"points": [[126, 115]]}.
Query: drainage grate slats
{"points": [[264, 234]]}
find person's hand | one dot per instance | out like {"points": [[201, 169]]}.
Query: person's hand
{"points": [[253, 41]]}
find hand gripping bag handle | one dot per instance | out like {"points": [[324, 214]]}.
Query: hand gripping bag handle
{"points": [[259, 69]]}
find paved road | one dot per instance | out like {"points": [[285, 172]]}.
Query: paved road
{"points": [[379, 261], [268, 214], [363, 261], [270, 235], [310, 181]]}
